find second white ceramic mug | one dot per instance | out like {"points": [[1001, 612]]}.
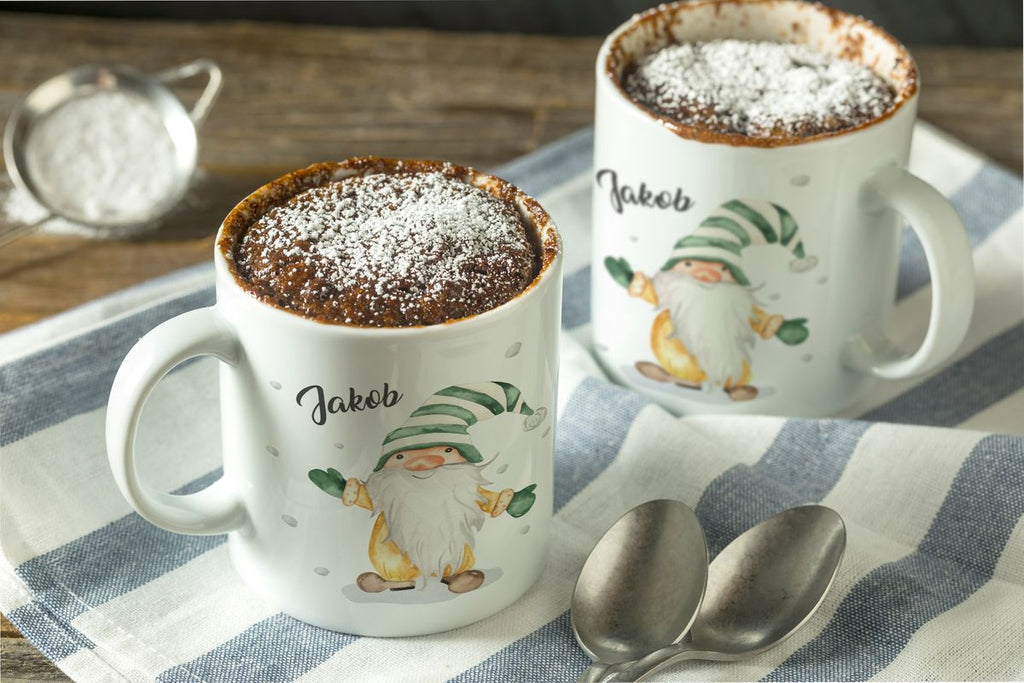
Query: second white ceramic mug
{"points": [[384, 482], [792, 245]]}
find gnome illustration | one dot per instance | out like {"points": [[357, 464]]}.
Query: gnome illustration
{"points": [[704, 332], [428, 492]]}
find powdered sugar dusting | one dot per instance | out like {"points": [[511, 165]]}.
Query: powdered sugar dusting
{"points": [[103, 157], [388, 249], [758, 89]]}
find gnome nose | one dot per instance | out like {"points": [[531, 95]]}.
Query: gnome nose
{"points": [[424, 462], [707, 274]]}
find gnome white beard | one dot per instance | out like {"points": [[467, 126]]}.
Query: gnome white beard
{"points": [[431, 518], [712, 320]]}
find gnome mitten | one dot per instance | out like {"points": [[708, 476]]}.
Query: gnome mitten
{"points": [[330, 482], [522, 501], [793, 332], [619, 269]]}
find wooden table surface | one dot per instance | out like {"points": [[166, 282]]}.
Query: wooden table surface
{"points": [[296, 95]]}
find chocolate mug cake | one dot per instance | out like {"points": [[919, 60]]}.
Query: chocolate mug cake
{"points": [[370, 314], [398, 244], [758, 89]]}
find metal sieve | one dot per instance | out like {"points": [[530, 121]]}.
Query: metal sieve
{"points": [[85, 80]]}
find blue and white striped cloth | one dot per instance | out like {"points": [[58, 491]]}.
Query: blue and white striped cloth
{"points": [[928, 474]]}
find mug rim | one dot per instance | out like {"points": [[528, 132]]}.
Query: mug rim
{"points": [[611, 54], [281, 189]]}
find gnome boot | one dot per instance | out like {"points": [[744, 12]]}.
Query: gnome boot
{"points": [[743, 392], [653, 371], [372, 582], [464, 582]]}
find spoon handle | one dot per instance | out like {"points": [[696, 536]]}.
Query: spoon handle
{"points": [[593, 673], [640, 669], [15, 231]]}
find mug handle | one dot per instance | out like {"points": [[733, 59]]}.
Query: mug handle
{"points": [[950, 263], [216, 509], [214, 81]]}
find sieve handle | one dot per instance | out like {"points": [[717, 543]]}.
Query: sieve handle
{"points": [[14, 232], [215, 80]]}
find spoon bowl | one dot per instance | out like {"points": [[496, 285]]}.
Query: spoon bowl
{"points": [[761, 588], [765, 585], [642, 584]]}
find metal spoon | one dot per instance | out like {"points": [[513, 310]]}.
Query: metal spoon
{"points": [[761, 588], [640, 588]]}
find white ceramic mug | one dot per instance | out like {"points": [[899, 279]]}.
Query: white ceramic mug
{"points": [[816, 222], [314, 416]]}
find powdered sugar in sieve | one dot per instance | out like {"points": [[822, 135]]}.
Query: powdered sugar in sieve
{"points": [[105, 157]]}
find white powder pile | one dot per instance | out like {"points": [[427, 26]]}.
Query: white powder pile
{"points": [[103, 157], [758, 89], [19, 208], [389, 250]]}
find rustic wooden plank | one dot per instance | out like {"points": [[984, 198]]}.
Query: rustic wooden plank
{"points": [[306, 93], [19, 661], [41, 275], [292, 96], [975, 94]]}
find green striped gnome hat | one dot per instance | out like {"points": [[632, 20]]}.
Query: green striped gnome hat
{"points": [[736, 224], [444, 419]]}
